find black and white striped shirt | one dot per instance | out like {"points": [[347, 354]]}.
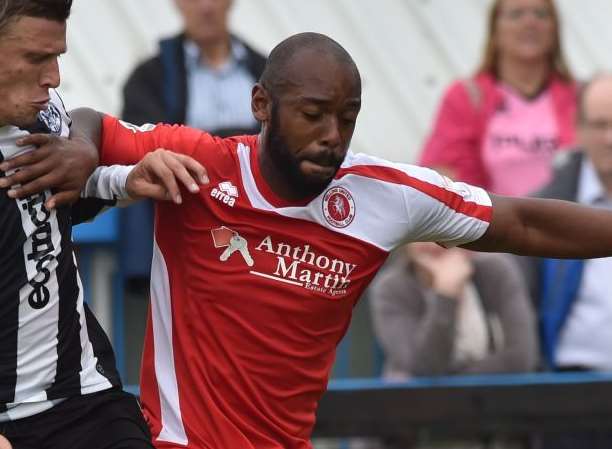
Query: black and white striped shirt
{"points": [[51, 346]]}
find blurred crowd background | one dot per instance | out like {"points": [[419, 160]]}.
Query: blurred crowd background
{"points": [[408, 51]]}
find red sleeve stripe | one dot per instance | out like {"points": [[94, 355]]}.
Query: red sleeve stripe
{"points": [[449, 198]]}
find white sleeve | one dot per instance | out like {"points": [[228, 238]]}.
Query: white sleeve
{"points": [[443, 211], [400, 203], [108, 183]]}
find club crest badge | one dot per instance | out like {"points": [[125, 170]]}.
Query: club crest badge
{"points": [[338, 207], [51, 118]]}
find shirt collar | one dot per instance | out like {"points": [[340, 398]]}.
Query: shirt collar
{"points": [[238, 55], [590, 188]]}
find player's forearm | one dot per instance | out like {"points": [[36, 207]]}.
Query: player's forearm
{"points": [[108, 183], [87, 123], [547, 228], [573, 230]]}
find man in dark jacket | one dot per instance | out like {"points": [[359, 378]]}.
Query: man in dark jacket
{"points": [[202, 78]]}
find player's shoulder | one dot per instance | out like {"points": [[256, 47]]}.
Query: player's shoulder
{"points": [[221, 149], [222, 155], [376, 168], [235, 143]]}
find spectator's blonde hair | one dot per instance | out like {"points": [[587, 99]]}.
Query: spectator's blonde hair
{"points": [[490, 58]]}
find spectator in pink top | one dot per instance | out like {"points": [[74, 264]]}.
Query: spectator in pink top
{"points": [[500, 129]]}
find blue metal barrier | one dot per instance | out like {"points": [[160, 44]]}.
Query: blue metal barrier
{"points": [[479, 380], [104, 230], [89, 238], [480, 405], [474, 406]]}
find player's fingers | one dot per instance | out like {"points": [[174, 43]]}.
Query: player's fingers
{"points": [[30, 188], [153, 191], [166, 177], [34, 139], [180, 171], [61, 199], [194, 167], [29, 173], [34, 161]]}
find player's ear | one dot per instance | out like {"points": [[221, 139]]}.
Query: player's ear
{"points": [[261, 103]]}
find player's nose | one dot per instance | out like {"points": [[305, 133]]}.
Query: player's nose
{"points": [[50, 76]]}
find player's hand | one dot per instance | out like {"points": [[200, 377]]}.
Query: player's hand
{"points": [[159, 173], [59, 163]]}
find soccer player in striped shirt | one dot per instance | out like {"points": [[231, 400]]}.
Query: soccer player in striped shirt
{"points": [[59, 387], [254, 279]]}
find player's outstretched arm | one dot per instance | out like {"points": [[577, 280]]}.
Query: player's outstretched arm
{"points": [[548, 228]]}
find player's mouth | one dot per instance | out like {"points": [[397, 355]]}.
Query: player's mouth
{"points": [[318, 169], [41, 105]]}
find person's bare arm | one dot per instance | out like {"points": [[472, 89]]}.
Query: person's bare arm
{"points": [[547, 228], [88, 123], [58, 163]]}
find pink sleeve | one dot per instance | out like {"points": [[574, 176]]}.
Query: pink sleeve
{"points": [[454, 143]]}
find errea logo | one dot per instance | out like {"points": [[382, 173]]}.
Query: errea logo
{"points": [[226, 193]]}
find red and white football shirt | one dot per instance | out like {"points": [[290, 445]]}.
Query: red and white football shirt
{"points": [[251, 293]]}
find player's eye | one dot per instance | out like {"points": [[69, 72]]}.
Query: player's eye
{"points": [[311, 115], [39, 58], [349, 119]]}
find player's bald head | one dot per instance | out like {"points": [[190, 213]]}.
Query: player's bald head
{"points": [[286, 59], [58, 10]]}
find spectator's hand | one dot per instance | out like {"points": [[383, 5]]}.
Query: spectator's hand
{"points": [[59, 163], [158, 173], [4, 443], [448, 271]]}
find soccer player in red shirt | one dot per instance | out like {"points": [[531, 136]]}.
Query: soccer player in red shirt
{"points": [[255, 277]]}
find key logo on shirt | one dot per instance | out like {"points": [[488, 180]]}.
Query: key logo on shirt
{"points": [[338, 207], [226, 193], [232, 242]]}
